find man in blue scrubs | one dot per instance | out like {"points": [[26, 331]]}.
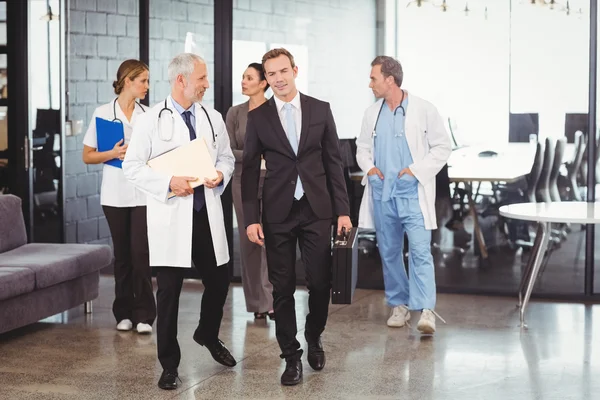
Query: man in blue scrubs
{"points": [[407, 147]]}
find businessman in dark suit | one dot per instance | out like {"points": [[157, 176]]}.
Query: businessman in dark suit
{"points": [[304, 190]]}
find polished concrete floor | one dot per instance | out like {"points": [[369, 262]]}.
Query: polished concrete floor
{"points": [[480, 354]]}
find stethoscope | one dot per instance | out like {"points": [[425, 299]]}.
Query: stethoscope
{"points": [[374, 133], [171, 127], [115, 119]]}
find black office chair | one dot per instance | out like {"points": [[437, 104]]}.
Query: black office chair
{"points": [[536, 170], [559, 153], [443, 201], [367, 238], [46, 170], [583, 170], [350, 165], [520, 126], [542, 192], [522, 191], [572, 191], [575, 123]]}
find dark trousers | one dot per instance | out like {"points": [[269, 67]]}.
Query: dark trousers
{"points": [[170, 280], [313, 235], [134, 296]]}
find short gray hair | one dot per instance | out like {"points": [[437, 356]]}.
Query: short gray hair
{"points": [[390, 67], [183, 64]]}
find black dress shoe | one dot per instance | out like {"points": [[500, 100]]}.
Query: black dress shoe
{"points": [[293, 372], [316, 355], [218, 351], [168, 380]]}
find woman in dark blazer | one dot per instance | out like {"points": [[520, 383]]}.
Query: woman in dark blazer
{"points": [[257, 288]]}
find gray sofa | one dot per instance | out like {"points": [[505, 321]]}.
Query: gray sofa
{"points": [[38, 280]]}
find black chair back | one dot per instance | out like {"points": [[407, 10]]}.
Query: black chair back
{"points": [[543, 187], [574, 167], [580, 145], [575, 123], [536, 169], [348, 154], [442, 184], [559, 153], [354, 188], [520, 126]]}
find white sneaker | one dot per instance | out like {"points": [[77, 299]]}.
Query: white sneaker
{"points": [[426, 324], [400, 316], [143, 328], [125, 325]]}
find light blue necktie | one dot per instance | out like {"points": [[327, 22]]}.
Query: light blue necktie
{"points": [[293, 138]]}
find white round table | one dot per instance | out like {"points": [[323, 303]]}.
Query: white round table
{"points": [[545, 214]]}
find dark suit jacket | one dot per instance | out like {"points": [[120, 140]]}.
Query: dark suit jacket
{"points": [[318, 163]]}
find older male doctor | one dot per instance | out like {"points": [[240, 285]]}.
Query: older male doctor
{"points": [[190, 226], [402, 146]]}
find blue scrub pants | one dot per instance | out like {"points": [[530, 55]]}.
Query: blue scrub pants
{"points": [[392, 219]]}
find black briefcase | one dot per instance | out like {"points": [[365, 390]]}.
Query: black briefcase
{"points": [[345, 267]]}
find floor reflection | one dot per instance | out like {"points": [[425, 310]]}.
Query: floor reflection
{"points": [[480, 354]]}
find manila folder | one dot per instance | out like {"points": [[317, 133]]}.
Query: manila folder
{"points": [[191, 159]]}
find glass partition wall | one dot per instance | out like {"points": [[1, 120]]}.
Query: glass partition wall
{"points": [[505, 76], [46, 114]]}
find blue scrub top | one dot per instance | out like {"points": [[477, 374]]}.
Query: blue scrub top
{"points": [[392, 154]]}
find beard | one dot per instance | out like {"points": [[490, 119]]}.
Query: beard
{"points": [[194, 95]]}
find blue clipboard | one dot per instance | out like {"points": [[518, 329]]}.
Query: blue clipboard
{"points": [[108, 133]]}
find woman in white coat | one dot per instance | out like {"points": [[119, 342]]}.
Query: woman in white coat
{"points": [[190, 226], [124, 206], [403, 144]]}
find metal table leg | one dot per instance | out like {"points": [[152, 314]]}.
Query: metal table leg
{"points": [[539, 256], [527, 274]]}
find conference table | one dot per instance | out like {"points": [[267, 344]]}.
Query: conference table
{"points": [[511, 162]]}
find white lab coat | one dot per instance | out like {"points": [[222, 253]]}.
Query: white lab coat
{"points": [[170, 221], [116, 191], [430, 148]]}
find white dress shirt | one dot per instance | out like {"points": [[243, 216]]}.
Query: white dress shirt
{"points": [[296, 109], [116, 191]]}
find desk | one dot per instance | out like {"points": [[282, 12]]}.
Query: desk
{"points": [[545, 214], [514, 160]]}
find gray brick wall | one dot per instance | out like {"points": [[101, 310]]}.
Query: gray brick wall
{"points": [[100, 39], [170, 21]]}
